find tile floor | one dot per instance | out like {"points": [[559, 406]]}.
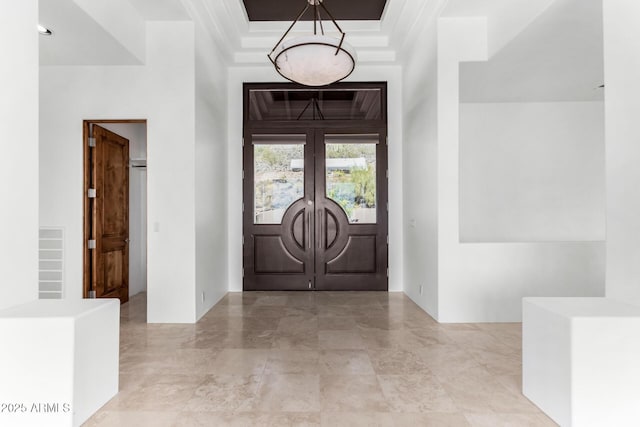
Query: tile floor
{"points": [[317, 359]]}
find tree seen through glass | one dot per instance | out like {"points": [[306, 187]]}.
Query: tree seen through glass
{"points": [[350, 170], [351, 179], [278, 180]]}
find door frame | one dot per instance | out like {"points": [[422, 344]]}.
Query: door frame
{"points": [[303, 126], [86, 201]]}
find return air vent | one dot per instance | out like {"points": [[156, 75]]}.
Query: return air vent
{"points": [[51, 263]]}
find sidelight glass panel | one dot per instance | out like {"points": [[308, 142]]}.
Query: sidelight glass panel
{"points": [[278, 175], [350, 170]]}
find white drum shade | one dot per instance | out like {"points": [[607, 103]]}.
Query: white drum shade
{"points": [[315, 60]]}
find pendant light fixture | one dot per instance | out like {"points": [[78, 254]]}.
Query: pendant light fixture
{"points": [[315, 59]]}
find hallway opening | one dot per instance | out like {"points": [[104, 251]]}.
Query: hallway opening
{"points": [[115, 209]]}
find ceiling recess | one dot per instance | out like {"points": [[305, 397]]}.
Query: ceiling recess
{"points": [[342, 10]]}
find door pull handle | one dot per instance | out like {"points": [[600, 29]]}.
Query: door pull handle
{"points": [[309, 229], [320, 228]]}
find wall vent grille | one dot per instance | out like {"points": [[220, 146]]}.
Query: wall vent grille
{"points": [[51, 263]]}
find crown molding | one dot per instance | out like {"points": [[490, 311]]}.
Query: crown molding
{"points": [[415, 18], [244, 42], [223, 20]]}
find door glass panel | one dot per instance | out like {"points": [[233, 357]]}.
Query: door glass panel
{"points": [[278, 175], [319, 104], [350, 171]]}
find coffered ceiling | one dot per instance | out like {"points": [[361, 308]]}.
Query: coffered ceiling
{"points": [[378, 29], [283, 10]]}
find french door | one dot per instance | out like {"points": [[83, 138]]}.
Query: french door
{"points": [[315, 209]]}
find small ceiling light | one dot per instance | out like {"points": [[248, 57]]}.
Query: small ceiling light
{"points": [[44, 30], [315, 59]]}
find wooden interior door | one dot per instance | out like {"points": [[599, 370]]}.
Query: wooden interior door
{"points": [[110, 215]]}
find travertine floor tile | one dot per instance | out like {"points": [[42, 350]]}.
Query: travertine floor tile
{"points": [[180, 361], [397, 362], [246, 419], [296, 340], [293, 325], [293, 362], [415, 394], [429, 335], [164, 392], [351, 393], [226, 310], [241, 361], [336, 323], [340, 340], [478, 391], [265, 311], [274, 300], [225, 393], [447, 360], [357, 419], [245, 339], [379, 322], [432, 419], [313, 358], [345, 362], [133, 418], [377, 339], [289, 393], [509, 420]]}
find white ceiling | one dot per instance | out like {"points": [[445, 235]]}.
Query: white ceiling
{"points": [[81, 37], [161, 10], [558, 57], [77, 38]]}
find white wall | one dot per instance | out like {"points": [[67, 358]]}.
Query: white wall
{"points": [[507, 17], [121, 19], [163, 92], [170, 172], [137, 230], [420, 168], [532, 172], [136, 133], [18, 153], [480, 282], [239, 75], [211, 175], [622, 110]]}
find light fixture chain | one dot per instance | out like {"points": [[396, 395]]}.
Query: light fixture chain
{"points": [[320, 21], [289, 29], [308, 60], [332, 18]]}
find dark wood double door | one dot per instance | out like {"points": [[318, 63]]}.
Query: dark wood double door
{"points": [[315, 209]]}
